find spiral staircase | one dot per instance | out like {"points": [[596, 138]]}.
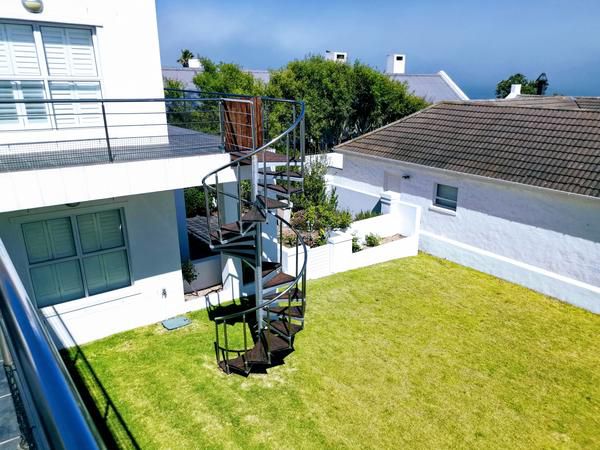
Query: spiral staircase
{"points": [[257, 331]]}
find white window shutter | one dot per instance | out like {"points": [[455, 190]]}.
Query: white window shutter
{"points": [[23, 51], [81, 52], [8, 111], [55, 47], [5, 59], [69, 52], [64, 112], [89, 113]]}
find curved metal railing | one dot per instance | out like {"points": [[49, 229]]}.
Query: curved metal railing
{"points": [[55, 414], [251, 159]]}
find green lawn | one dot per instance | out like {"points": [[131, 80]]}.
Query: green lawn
{"points": [[418, 352]]}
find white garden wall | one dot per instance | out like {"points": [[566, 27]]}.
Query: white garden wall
{"points": [[336, 256], [541, 231]]}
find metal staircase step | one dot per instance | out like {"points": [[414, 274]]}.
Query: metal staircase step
{"points": [[257, 354], [254, 215], [286, 328], [280, 279], [292, 175], [231, 231], [293, 311], [236, 364], [275, 343], [269, 268], [271, 203], [281, 189], [295, 294], [269, 158]]}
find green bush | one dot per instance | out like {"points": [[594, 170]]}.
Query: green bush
{"points": [[189, 272], [356, 247], [362, 215], [372, 240]]}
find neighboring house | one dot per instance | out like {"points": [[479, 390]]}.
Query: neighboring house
{"points": [[92, 167], [186, 75], [510, 190], [434, 87]]}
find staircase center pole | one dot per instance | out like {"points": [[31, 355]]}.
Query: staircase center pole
{"points": [[258, 277]]}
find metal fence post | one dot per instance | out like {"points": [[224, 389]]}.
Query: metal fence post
{"points": [[110, 155]]}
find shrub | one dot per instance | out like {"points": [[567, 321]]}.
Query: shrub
{"points": [[362, 215], [189, 272], [356, 247], [372, 240], [289, 239]]}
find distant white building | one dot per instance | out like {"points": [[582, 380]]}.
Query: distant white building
{"points": [[508, 187], [435, 87]]}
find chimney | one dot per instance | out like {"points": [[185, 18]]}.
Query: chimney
{"points": [[336, 56], [194, 63], [396, 64], [515, 91]]}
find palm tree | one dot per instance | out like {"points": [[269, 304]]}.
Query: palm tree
{"points": [[185, 57]]}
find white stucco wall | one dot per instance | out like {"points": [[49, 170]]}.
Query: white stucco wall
{"points": [[152, 238], [127, 40], [534, 228]]}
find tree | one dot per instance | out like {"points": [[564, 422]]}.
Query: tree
{"points": [[527, 86], [226, 77], [185, 57], [342, 101]]}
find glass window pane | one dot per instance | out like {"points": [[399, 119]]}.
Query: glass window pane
{"points": [[445, 203], [57, 283], [106, 272], [447, 192], [88, 233]]}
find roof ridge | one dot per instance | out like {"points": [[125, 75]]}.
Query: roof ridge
{"points": [[387, 125], [486, 103]]}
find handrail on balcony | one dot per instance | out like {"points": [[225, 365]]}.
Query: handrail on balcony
{"points": [[53, 407]]}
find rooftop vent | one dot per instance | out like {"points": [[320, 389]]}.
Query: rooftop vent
{"points": [[194, 63], [396, 64], [515, 91], [336, 56]]}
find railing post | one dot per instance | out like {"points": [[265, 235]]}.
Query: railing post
{"points": [[302, 149], [222, 127], [110, 155]]}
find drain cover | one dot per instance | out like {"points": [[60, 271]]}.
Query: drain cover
{"points": [[176, 322]]}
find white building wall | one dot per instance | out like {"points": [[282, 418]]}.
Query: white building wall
{"points": [[534, 228], [156, 292], [128, 47]]}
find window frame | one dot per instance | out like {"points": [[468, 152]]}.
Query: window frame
{"points": [[80, 255], [436, 196], [46, 78]]}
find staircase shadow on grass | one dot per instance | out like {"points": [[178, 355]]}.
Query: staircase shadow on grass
{"points": [[108, 420]]}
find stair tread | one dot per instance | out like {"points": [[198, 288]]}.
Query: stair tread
{"points": [[235, 364], [269, 267], [286, 328], [257, 354], [281, 189], [281, 174], [275, 342], [293, 311], [279, 279], [228, 231], [269, 157], [254, 215], [295, 294], [271, 203]]}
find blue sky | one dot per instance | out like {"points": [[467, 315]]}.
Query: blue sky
{"points": [[477, 42]]}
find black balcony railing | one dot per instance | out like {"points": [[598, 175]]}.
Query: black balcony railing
{"points": [[48, 408]]}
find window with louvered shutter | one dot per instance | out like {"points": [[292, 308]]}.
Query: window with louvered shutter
{"points": [[69, 52], [18, 54], [61, 270], [76, 114]]}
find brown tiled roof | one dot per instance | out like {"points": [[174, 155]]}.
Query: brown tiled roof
{"points": [[550, 148], [588, 103]]}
